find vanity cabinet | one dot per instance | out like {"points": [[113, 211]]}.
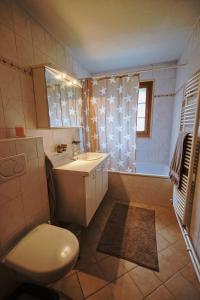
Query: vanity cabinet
{"points": [[58, 98], [78, 195]]}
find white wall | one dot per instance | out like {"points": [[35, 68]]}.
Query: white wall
{"points": [[156, 149], [191, 56]]}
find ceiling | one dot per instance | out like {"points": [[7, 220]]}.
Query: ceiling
{"points": [[109, 35]]}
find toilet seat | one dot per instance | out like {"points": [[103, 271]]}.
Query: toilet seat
{"points": [[45, 254]]}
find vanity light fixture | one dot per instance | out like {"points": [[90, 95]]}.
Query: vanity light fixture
{"points": [[58, 76], [64, 77]]}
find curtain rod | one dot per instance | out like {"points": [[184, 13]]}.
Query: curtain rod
{"points": [[139, 71]]}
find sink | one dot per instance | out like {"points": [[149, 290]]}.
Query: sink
{"points": [[89, 156]]}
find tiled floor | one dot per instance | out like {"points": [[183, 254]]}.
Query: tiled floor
{"points": [[102, 277]]}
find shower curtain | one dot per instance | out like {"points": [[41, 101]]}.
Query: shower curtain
{"points": [[110, 115]]}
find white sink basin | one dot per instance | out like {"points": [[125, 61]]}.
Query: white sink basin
{"points": [[89, 156]]}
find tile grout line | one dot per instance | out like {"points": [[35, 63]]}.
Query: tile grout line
{"points": [[157, 289], [173, 274], [141, 290], [109, 282], [80, 285]]}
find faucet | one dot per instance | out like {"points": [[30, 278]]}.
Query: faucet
{"points": [[75, 149], [61, 148]]}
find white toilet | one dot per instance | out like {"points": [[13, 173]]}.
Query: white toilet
{"points": [[44, 255]]}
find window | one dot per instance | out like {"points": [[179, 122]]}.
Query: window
{"points": [[144, 109]]}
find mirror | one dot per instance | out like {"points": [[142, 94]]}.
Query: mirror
{"points": [[64, 99]]}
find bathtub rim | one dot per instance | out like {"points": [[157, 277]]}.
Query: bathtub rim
{"points": [[139, 174]]}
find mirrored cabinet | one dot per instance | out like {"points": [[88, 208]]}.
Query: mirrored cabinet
{"points": [[58, 98]]}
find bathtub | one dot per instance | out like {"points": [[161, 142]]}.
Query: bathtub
{"points": [[149, 185], [152, 169]]}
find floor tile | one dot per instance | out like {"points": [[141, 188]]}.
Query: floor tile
{"points": [[189, 274], [97, 254], [86, 256], [168, 266], [91, 235], [171, 233], [145, 279], [125, 288], [162, 243], [176, 255], [69, 286], [105, 293], [112, 268], [128, 264], [182, 289], [162, 221], [91, 279], [162, 293]]}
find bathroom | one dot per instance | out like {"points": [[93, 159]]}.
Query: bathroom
{"points": [[92, 46]]}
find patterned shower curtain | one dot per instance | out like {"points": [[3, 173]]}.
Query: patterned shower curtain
{"points": [[110, 115]]}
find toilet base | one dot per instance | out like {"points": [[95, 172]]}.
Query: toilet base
{"points": [[35, 291]]}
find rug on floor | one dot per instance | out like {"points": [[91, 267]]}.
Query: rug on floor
{"points": [[130, 234]]}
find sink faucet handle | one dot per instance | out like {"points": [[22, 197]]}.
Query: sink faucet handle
{"points": [[64, 147], [59, 149]]}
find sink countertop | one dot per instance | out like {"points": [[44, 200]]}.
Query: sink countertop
{"points": [[82, 167]]}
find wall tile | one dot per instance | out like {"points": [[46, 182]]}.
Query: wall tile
{"points": [[10, 132], [27, 87], [2, 119], [2, 133], [60, 56], [9, 190], [39, 57], [28, 147], [22, 22], [38, 35], [25, 52], [9, 83], [6, 15], [40, 148], [7, 45], [49, 60], [29, 114], [7, 149], [50, 46], [35, 200], [12, 221], [13, 113]]}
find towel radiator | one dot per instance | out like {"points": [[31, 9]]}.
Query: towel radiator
{"points": [[190, 115]]}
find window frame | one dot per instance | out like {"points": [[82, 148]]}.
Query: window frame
{"points": [[148, 110]]}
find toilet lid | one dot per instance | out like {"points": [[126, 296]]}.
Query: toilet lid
{"points": [[45, 249]]}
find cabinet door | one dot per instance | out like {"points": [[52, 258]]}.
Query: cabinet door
{"points": [[90, 197], [105, 179], [99, 182]]}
